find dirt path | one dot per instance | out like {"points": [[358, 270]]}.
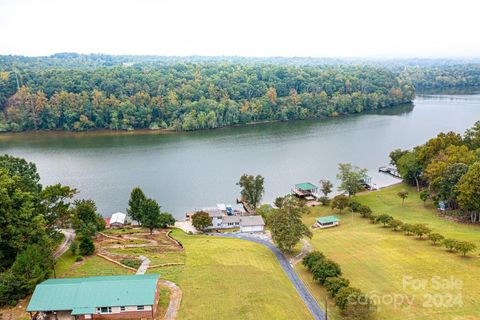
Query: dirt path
{"points": [[175, 299], [144, 266]]}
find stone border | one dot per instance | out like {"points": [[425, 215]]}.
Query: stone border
{"points": [[111, 237], [167, 265], [173, 239]]}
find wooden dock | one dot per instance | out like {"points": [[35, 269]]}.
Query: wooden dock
{"points": [[391, 171]]}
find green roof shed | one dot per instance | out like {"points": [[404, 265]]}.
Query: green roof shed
{"points": [[306, 186]]}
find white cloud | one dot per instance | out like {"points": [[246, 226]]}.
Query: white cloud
{"points": [[347, 28]]}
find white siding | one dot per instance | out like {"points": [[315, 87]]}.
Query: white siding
{"points": [[251, 229], [127, 308]]}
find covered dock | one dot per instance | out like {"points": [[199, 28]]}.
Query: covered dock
{"points": [[305, 190]]}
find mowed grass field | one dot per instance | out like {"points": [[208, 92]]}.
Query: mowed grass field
{"points": [[234, 279], [221, 279], [383, 263]]}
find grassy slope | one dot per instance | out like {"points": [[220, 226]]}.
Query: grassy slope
{"points": [[222, 279], [234, 279], [376, 259]]}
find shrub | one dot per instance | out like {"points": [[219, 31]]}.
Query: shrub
{"points": [[340, 202], [450, 244], [354, 304], [311, 259], [86, 247], [464, 247], [395, 224], [74, 247], [424, 196], [407, 228], [384, 219], [372, 218], [201, 220], [78, 258], [354, 205], [420, 230], [365, 211], [324, 200], [435, 237], [325, 268], [334, 284], [132, 263]]}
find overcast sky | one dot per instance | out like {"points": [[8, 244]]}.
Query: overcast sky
{"points": [[333, 28]]}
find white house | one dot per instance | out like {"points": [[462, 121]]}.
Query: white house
{"points": [[230, 222], [252, 224], [216, 216], [117, 219]]}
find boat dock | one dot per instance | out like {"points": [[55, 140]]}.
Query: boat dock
{"points": [[390, 170]]}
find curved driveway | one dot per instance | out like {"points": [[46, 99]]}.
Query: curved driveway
{"points": [[67, 241], [312, 305]]}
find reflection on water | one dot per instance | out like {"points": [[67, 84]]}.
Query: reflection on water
{"points": [[184, 171]]}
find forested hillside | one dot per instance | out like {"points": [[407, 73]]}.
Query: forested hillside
{"points": [[83, 92]]}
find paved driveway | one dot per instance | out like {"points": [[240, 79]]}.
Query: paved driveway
{"points": [[312, 305], [67, 241]]}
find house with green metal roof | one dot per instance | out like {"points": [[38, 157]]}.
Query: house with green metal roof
{"points": [[112, 297], [305, 189], [327, 222]]}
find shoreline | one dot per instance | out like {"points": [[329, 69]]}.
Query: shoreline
{"points": [[146, 131]]}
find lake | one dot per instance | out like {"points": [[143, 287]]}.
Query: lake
{"points": [[187, 171]]}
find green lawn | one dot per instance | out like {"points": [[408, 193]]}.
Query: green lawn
{"points": [[221, 279], [376, 259], [234, 279]]}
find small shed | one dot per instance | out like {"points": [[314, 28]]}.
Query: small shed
{"points": [[327, 222], [305, 189], [118, 219], [252, 224]]}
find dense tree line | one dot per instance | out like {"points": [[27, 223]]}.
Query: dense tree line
{"points": [[448, 167], [29, 217], [442, 77], [352, 302], [186, 95]]}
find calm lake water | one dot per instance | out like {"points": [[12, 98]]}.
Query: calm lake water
{"points": [[186, 171]]}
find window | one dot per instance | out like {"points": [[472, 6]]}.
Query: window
{"points": [[105, 310], [140, 307], [122, 308]]}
